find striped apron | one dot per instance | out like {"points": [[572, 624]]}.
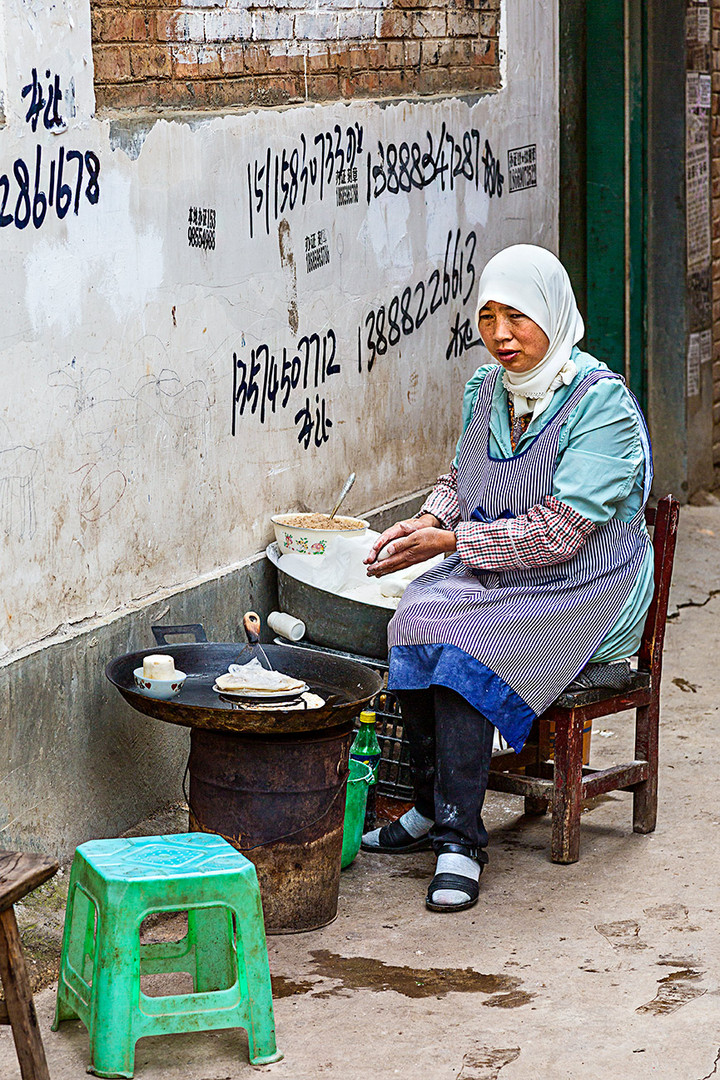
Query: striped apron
{"points": [[511, 641]]}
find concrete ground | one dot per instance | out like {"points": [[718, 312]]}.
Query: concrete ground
{"points": [[609, 968]]}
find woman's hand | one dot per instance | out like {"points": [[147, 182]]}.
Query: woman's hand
{"points": [[407, 543], [401, 528]]}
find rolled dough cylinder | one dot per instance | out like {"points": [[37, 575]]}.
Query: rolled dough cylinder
{"points": [[158, 667]]}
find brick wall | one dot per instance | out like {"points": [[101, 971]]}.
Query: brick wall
{"points": [[715, 173], [222, 53]]}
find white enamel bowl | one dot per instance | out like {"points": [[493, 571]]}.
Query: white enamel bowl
{"points": [[300, 541]]}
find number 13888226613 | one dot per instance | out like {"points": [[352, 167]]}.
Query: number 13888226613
{"points": [[28, 193], [386, 325]]}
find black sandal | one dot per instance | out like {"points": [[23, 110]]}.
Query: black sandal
{"points": [[394, 839], [459, 884]]}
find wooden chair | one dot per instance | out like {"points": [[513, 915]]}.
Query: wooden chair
{"points": [[19, 875], [565, 783]]}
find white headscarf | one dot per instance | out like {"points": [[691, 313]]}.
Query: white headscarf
{"points": [[532, 280]]}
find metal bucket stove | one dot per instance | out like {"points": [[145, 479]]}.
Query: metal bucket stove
{"points": [[270, 781]]}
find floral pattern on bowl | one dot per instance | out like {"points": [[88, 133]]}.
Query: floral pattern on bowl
{"points": [[301, 545], [299, 541], [161, 689]]}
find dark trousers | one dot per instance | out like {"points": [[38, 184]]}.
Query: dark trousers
{"points": [[450, 749]]}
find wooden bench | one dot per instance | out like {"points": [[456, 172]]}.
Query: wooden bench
{"points": [[19, 875], [564, 783]]}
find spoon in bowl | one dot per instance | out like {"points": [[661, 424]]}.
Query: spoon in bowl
{"points": [[346, 487]]}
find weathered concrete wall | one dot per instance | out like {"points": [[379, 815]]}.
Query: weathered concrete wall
{"points": [[211, 319], [153, 387], [77, 761]]}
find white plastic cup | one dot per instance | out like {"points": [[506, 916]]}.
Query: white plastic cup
{"points": [[286, 626]]}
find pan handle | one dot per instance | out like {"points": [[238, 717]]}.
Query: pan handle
{"points": [[251, 623], [160, 632]]}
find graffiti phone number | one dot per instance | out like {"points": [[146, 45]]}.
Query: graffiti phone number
{"points": [[30, 195], [278, 181], [265, 384], [384, 327], [405, 166]]}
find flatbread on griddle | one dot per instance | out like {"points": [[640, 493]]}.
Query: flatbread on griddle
{"points": [[259, 680]]}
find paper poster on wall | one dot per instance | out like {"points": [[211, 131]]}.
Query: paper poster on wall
{"points": [[691, 90], [698, 207], [705, 346], [693, 366], [691, 25], [697, 174], [522, 168], [704, 91]]}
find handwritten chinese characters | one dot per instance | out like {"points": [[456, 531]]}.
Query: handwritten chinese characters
{"points": [[278, 181], [384, 328], [43, 102], [53, 180], [266, 384]]}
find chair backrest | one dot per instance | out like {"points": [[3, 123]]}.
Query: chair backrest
{"points": [[664, 521]]}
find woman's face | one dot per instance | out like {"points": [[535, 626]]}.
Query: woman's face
{"points": [[513, 339]]}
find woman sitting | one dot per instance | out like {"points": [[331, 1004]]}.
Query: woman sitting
{"points": [[549, 570]]}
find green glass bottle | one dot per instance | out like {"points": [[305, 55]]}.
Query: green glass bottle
{"points": [[366, 748]]}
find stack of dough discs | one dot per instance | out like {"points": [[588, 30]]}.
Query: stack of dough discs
{"points": [[249, 678], [159, 667]]}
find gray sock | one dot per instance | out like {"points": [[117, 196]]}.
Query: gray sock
{"points": [[452, 863], [413, 822]]}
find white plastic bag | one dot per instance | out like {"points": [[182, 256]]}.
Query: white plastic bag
{"points": [[342, 571]]}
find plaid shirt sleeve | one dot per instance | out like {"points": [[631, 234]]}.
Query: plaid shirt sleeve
{"points": [[443, 500], [551, 532]]}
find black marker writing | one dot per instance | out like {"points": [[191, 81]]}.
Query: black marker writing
{"points": [[313, 427], [385, 327], [461, 338], [43, 103], [493, 179], [32, 194], [447, 161], [278, 181], [265, 384]]}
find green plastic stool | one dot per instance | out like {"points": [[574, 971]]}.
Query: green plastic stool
{"points": [[114, 885]]}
